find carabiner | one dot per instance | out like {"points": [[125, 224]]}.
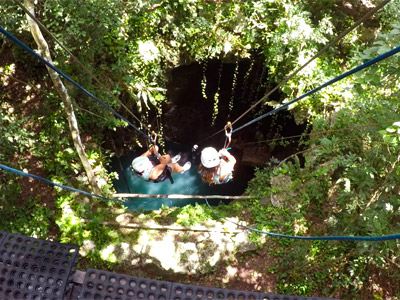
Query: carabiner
{"points": [[153, 138], [228, 133], [228, 129]]}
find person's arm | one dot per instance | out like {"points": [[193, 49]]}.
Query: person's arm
{"points": [[226, 166], [152, 151], [226, 156]]}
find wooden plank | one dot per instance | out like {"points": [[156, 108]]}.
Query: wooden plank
{"points": [[179, 196], [167, 228]]}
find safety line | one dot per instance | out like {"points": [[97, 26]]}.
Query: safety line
{"points": [[329, 82], [19, 43], [116, 196], [272, 234], [319, 53], [52, 183], [44, 28], [355, 238], [316, 133]]}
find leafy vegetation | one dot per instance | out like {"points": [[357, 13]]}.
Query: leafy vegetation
{"points": [[345, 181], [348, 185]]}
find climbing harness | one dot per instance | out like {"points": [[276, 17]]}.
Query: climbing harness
{"points": [[211, 158], [143, 165], [167, 173], [211, 153]]}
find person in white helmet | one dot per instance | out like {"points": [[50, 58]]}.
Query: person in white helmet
{"points": [[216, 166], [152, 166]]}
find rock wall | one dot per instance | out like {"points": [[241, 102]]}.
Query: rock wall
{"points": [[175, 248]]}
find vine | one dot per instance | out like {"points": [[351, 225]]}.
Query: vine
{"points": [[246, 79], [234, 83], [216, 96], [204, 81]]}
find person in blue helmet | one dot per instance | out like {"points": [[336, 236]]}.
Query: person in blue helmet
{"points": [[152, 166], [216, 166]]}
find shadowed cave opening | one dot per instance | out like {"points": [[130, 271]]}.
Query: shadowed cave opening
{"points": [[190, 116]]}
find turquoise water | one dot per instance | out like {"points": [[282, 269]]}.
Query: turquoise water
{"points": [[188, 183]]}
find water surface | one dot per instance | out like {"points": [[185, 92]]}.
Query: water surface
{"points": [[187, 183]]}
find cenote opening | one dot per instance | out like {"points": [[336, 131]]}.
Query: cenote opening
{"points": [[202, 97]]}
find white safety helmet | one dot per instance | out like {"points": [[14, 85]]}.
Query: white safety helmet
{"points": [[210, 157]]}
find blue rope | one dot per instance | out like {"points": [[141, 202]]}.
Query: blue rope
{"points": [[68, 78], [313, 91], [315, 238], [52, 183]]}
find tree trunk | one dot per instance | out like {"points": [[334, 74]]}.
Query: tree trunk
{"points": [[63, 92]]}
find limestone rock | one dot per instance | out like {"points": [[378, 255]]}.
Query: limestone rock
{"points": [[185, 252]]}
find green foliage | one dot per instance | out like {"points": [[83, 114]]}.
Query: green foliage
{"points": [[348, 183], [190, 215], [32, 219], [40, 142], [134, 45]]}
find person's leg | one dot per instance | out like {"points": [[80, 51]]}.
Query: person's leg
{"points": [[180, 169], [176, 168], [156, 171], [165, 159]]}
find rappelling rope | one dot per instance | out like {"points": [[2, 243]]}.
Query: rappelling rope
{"points": [[319, 53], [329, 82]]}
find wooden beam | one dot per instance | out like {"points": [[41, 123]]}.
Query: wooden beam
{"points": [[179, 196], [158, 227]]}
